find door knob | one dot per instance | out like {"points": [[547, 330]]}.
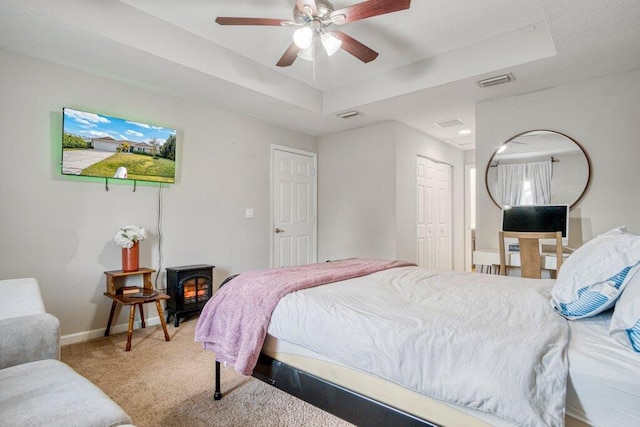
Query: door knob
{"points": [[279, 230]]}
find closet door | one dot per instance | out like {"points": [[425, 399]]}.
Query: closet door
{"points": [[433, 214], [442, 213], [426, 228]]}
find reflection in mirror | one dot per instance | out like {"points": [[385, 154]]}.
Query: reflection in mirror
{"points": [[538, 167]]}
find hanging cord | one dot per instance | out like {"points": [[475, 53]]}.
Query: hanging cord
{"points": [[159, 238]]}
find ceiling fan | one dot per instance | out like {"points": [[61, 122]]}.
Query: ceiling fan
{"points": [[315, 19]]}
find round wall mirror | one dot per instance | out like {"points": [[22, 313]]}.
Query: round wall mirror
{"points": [[538, 167]]}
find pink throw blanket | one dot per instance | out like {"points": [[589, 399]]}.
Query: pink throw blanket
{"points": [[234, 323]]}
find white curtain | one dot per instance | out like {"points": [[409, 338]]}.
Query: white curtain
{"points": [[539, 175], [510, 180]]}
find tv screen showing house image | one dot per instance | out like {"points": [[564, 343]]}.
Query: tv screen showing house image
{"points": [[97, 145]]}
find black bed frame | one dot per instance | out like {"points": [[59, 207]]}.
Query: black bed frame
{"points": [[339, 401]]}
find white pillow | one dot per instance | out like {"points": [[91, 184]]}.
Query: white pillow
{"points": [[616, 231], [595, 275], [625, 322]]}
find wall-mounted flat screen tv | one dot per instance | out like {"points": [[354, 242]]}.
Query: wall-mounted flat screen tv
{"points": [[102, 146]]}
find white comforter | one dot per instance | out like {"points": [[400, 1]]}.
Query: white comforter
{"points": [[486, 342]]}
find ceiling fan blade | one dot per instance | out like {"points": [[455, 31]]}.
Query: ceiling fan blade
{"points": [[289, 56], [311, 4], [368, 9], [225, 20], [355, 48]]}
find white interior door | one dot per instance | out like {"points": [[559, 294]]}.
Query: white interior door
{"points": [[294, 207], [426, 228], [433, 214], [442, 209]]}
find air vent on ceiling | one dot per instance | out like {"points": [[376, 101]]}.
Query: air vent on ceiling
{"points": [[349, 114], [449, 123], [496, 80]]}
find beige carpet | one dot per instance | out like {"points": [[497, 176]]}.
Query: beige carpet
{"points": [[163, 383]]}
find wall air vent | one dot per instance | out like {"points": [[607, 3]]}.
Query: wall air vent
{"points": [[349, 114], [449, 123], [497, 80]]}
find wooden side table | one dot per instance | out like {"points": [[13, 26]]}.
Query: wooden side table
{"points": [[132, 302]]}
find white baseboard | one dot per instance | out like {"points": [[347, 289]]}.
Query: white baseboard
{"points": [[99, 333]]}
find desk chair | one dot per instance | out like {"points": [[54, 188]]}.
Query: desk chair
{"points": [[530, 256]]}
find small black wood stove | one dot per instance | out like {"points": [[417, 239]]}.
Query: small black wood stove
{"points": [[189, 287]]}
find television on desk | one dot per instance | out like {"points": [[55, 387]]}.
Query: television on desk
{"points": [[537, 218]]}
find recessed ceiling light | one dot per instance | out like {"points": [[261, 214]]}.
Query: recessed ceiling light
{"points": [[464, 132]]}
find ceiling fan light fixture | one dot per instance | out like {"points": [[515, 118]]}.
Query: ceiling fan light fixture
{"points": [[331, 43], [306, 54], [313, 17], [303, 37]]}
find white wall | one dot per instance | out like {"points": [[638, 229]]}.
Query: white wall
{"points": [[59, 229], [357, 193], [367, 192], [470, 157], [602, 115]]}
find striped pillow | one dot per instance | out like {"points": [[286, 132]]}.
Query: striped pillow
{"points": [[594, 276], [596, 298], [625, 322]]}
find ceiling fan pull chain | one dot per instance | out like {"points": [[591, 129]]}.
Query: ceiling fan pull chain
{"points": [[313, 60]]}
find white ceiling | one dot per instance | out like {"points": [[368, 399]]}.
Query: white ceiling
{"points": [[431, 55]]}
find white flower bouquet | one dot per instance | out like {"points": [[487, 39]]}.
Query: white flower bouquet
{"points": [[128, 235]]}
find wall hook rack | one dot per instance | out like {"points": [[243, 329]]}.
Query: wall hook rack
{"points": [[106, 184]]}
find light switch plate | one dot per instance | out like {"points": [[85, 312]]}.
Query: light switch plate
{"points": [[248, 213]]}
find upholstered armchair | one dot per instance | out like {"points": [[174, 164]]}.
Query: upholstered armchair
{"points": [[27, 332]]}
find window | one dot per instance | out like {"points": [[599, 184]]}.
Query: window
{"points": [[527, 196]]}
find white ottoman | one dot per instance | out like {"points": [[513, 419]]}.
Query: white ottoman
{"points": [[50, 393]]}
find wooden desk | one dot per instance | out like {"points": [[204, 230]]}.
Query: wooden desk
{"points": [[132, 302], [491, 259]]}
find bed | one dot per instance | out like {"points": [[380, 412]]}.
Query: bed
{"points": [[394, 344]]}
